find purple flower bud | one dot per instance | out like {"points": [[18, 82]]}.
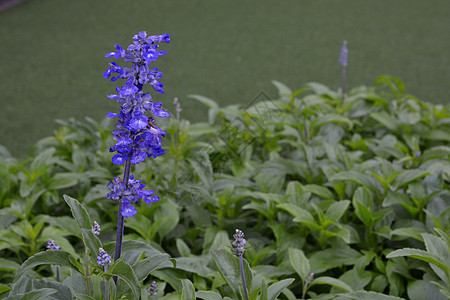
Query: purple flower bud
{"points": [[103, 257], [417, 154], [153, 288], [239, 242], [344, 55], [51, 245], [95, 228]]}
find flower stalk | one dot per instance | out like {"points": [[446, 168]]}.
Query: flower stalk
{"points": [[51, 245], [343, 61], [137, 136], [239, 242]]}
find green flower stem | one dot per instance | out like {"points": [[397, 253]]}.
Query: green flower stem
{"points": [[120, 218], [87, 275], [106, 295], [57, 273]]}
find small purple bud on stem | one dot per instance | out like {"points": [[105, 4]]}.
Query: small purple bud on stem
{"points": [[103, 258], [153, 288], [239, 242], [51, 245], [95, 228]]}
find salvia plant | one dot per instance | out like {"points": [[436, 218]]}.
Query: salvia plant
{"points": [[340, 198]]}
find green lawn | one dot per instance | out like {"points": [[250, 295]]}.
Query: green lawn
{"points": [[53, 52]]}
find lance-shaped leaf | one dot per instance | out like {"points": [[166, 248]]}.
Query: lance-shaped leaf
{"points": [[228, 266], [333, 282], [51, 257], [79, 212], [126, 273], [188, 291]]}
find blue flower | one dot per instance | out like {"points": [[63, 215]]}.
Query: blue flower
{"points": [[130, 194], [136, 136], [113, 68], [120, 52]]}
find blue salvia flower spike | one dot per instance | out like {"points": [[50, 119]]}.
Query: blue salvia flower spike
{"points": [[136, 134]]}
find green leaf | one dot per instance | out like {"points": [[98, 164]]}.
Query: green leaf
{"points": [[203, 168], [206, 101], [319, 191], [276, 288], [228, 266], [326, 119], [4, 289], [301, 215], [363, 295], [126, 273], [83, 297], [167, 216], [8, 265], [408, 176], [283, 91], [299, 262], [327, 259], [62, 290], [144, 267], [386, 120], [50, 257], [40, 162], [422, 255], [410, 232], [417, 290], [34, 295], [357, 177], [91, 241], [171, 276], [79, 213], [437, 135], [63, 180], [208, 295], [337, 210], [195, 264], [182, 248], [363, 204], [188, 291], [333, 282]]}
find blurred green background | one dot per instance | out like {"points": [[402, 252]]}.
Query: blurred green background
{"points": [[53, 52]]}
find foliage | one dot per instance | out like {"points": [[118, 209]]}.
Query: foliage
{"points": [[338, 201]]}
